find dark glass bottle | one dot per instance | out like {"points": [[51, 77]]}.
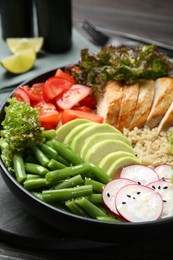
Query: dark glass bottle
{"points": [[16, 18], [54, 20]]}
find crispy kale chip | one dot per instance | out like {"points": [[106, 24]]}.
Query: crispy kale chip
{"points": [[121, 64], [19, 130]]}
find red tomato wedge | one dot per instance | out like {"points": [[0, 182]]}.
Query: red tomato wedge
{"points": [[50, 116], [45, 106], [61, 74], [71, 114], [82, 108], [71, 97], [21, 95], [55, 86], [33, 94], [89, 101]]}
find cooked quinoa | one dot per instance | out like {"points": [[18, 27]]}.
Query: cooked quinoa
{"points": [[151, 146]]}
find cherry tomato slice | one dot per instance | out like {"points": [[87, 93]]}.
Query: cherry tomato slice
{"points": [[89, 101], [70, 114], [21, 95], [55, 86], [72, 96], [49, 116], [33, 96], [60, 73], [82, 108], [45, 106]]}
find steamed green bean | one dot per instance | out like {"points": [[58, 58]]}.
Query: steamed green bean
{"points": [[35, 168], [66, 194], [19, 167], [71, 182]]}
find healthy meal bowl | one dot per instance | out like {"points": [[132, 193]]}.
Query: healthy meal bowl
{"points": [[88, 148]]}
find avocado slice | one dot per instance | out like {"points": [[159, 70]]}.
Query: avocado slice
{"points": [[110, 158], [81, 138], [98, 151], [116, 167], [76, 131], [63, 130], [97, 137]]}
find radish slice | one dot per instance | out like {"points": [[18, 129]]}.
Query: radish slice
{"points": [[138, 203], [139, 173], [165, 189], [164, 171], [110, 190]]}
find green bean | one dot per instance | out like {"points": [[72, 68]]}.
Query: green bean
{"points": [[37, 194], [91, 209], [95, 198], [71, 182], [65, 152], [99, 173], [55, 165], [49, 134], [110, 219], [62, 174], [63, 161], [32, 176], [75, 209], [66, 194], [49, 151], [19, 168], [97, 186], [36, 183], [41, 157], [35, 168]]}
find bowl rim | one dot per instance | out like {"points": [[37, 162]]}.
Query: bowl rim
{"points": [[44, 204]]}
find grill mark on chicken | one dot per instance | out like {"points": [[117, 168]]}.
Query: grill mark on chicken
{"points": [[128, 106], [144, 103], [108, 103], [163, 97], [167, 120]]}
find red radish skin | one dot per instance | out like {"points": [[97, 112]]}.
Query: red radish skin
{"points": [[110, 190], [139, 173], [138, 203], [164, 171], [165, 189]]}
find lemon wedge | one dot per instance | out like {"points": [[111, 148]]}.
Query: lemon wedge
{"points": [[21, 44], [19, 62]]}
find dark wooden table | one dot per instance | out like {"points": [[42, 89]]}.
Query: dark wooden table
{"points": [[149, 18]]}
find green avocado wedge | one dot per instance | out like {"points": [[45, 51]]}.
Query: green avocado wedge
{"points": [[110, 159], [76, 131], [81, 138], [97, 137], [98, 151], [115, 168], [63, 130]]}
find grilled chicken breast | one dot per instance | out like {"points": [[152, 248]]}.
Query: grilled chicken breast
{"points": [[144, 103], [163, 97], [109, 102], [167, 120], [128, 105]]}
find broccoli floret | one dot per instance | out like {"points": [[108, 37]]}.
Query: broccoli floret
{"points": [[20, 130]]}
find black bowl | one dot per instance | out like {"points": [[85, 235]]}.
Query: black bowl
{"points": [[86, 228]]}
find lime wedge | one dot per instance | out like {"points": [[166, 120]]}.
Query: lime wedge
{"points": [[21, 44], [19, 62]]}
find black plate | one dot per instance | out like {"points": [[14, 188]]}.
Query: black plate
{"points": [[79, 226]]}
